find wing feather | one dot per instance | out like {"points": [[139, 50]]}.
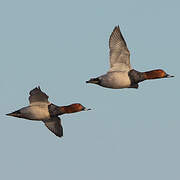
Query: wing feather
{"points": [[119, 53], [36, 95], [54, 125]]}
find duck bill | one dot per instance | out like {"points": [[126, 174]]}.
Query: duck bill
{"points": [[86, 109], [168, 76]]}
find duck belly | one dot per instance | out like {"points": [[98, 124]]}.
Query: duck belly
{"points": [[116, 80], [36, 112]]}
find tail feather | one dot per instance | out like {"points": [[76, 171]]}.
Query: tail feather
{"points": [[15, 114]]}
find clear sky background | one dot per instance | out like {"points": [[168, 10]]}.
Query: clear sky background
{"points": [[130, 134]]}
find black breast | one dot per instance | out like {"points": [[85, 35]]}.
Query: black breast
{"points": [[135, 77], [54, 110]]}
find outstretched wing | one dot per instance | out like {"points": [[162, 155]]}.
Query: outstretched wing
{"points": [[54, 125], [119, 53], [36, 95]]}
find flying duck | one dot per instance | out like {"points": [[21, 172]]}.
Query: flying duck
{"points": [[121, 74], [40, 109]]}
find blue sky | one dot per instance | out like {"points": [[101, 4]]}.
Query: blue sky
{"points": [[130, 134]]}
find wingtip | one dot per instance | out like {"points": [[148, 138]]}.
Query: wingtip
{"points": [[117, 27], [115, 30]]}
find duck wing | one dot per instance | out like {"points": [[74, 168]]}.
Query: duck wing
{"points": [[36, 95], [119, 53], [54, 125]]}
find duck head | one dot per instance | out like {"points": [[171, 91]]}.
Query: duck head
{"points": [[156, 74], [76, 107]]}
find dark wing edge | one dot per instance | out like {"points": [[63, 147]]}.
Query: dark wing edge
{"points": [[116, 34], [54, 125], [119, 52], [36, 95]]}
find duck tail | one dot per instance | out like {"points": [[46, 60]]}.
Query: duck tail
{"points": [[15, 114]]}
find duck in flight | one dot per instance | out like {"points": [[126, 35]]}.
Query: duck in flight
{"points": [[41, 109], [121, 74]]}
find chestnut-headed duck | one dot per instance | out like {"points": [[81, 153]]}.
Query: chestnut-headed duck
{"points": [[40, 109], [121, 74]]}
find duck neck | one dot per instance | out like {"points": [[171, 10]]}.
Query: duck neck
{"points": [[154, 74], [136, 76], [67, 109]]}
